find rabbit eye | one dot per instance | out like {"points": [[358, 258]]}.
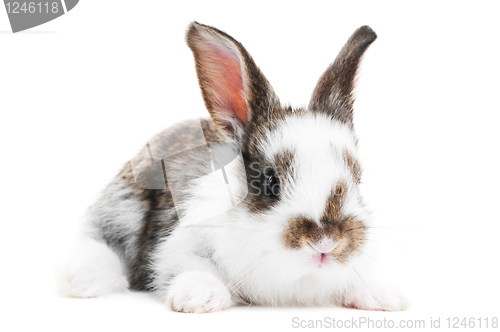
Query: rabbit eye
{"points": [[272, 185]]}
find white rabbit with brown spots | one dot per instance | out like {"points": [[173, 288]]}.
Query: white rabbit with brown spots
{"points": [[258, 204]]}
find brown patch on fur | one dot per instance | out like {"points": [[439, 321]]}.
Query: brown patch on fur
{"points": [[347, 231], [155, 202], [255, 131], [284, 166], [333, 93], [161, 215], [299, 231], [255, 161], [353, 165], [211, 131], [334, 203]]}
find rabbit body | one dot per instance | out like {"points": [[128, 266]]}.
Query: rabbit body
{"points": [[260, 204]]}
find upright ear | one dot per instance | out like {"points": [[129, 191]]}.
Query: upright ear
{"points": [[234, 89], [334, 92]]}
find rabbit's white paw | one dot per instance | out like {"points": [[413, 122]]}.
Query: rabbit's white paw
{"points": [[382, 297], [198, 292]]}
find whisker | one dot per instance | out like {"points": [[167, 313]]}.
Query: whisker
{"points": [[368, 257], [359, 276], [405, 229], [352, 229], [392, 241], [370, 240]]}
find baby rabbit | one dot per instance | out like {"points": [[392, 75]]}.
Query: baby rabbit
{"points": [[259, 204]]}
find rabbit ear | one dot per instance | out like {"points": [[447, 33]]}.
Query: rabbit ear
{"points": [[234, 89], [333, 93]]}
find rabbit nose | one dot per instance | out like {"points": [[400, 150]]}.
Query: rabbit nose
{"points": [[325, 245]]}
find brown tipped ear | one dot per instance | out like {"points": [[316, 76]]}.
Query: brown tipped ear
{"points": [[234, 89], [333, 93]]}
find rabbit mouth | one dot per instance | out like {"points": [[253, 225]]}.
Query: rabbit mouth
{"points": [[320, 260], [321, 256]]}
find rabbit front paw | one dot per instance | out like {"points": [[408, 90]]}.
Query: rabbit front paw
{"points": [[198, 292], [377, 297]]}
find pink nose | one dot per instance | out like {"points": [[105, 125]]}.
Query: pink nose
{"points": [[325, 245]]}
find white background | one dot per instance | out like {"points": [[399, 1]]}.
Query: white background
{"points": [[80, 95]]}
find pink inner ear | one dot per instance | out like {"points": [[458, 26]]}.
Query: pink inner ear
{"points": [[226, 81]]}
